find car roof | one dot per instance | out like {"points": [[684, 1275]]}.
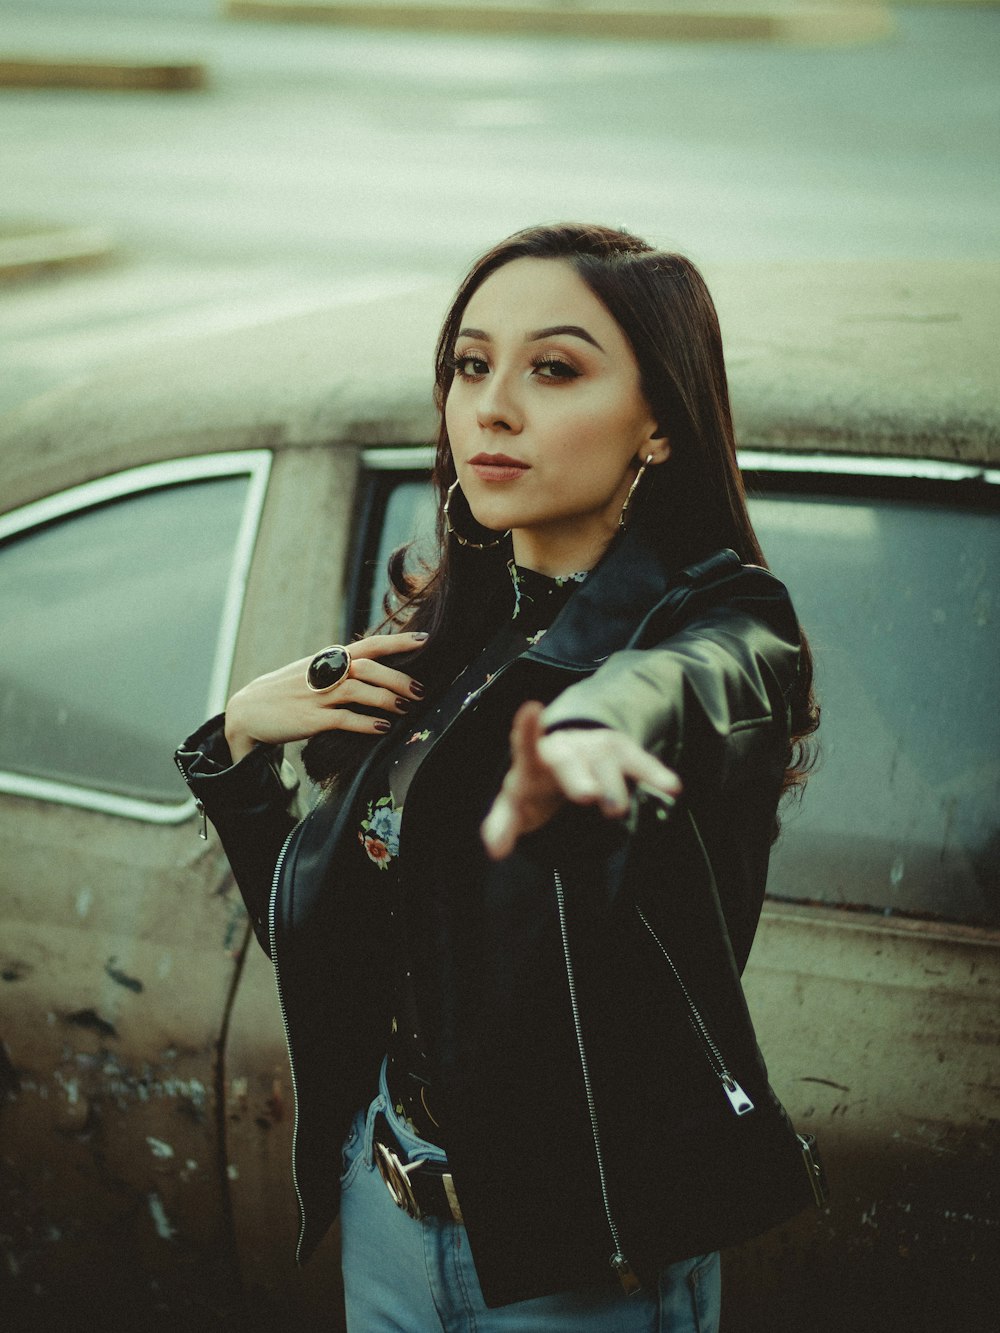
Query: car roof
{"points": [[875, 357]]}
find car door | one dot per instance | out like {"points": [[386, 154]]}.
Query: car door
{"points": [[127, 604]]}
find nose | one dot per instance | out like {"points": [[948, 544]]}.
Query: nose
{"points": [[497, 408]]}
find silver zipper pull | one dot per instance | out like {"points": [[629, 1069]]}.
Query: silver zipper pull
{"points": [[738, 1099], [814, 1169], [630, 1283], [203, 831]]}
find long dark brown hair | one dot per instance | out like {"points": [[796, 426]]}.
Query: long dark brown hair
{"points": [[689, 506]]}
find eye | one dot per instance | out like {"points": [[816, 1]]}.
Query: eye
{"points": [[468, 366], [552, 368]]}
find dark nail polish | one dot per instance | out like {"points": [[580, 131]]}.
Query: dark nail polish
{"points": [[383, 725], [416, 689], [402, 704]]}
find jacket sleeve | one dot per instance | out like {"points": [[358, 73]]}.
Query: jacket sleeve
{"points": [[252, 805], [709, 696]]}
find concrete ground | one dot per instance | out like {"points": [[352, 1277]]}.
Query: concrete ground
{"points": [[320, 163]]}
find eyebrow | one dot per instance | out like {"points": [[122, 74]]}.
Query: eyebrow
{"points": [[554, 330]]}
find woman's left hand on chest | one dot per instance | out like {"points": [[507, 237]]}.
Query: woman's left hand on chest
{"points": [[586, 765]]}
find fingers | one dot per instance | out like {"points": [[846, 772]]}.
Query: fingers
{"points": [[591, 778], [371, 686], [525, 733], [384, 645], [364, 670], [343, 719], [529, 796], [500, 829], [354, 691], [370, 683], [280, 707], [374, 673], [600, 766], [588, 766], [519, 808]]}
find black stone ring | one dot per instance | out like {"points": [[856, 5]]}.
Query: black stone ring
{"points": [[328, 668]]}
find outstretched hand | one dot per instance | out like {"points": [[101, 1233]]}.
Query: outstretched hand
{"points": [[585, 765]]}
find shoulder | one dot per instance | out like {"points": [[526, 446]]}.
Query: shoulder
{"points": [[720, 586]]}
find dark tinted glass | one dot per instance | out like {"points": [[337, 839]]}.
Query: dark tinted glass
{"points": [[111, 622], [900, 603], [408, 517]]}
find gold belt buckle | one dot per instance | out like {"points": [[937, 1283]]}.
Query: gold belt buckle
{"points": [[395, 1173]]}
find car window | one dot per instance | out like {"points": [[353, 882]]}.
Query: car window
{"points": [[119, 611], [899, 601], [408, 517]]}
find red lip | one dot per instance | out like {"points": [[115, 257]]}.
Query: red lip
{"points": [[497, 469], [497, 460]]}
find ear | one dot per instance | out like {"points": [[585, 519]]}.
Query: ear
{"points": [[656, 446]]}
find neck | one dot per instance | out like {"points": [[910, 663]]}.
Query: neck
{"points": [[555, 553]]}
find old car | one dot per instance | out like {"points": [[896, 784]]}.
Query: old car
{"points": [[176, 525]]}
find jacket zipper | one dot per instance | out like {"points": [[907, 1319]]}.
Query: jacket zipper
{"points": [[622, 1267], [272, 909], [199, 804], [738, 1099]]}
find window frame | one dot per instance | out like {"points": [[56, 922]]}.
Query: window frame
{"points": [[858, 476], [255, 464], [402, 458]]}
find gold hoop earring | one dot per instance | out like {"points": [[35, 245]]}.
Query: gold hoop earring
{"points": [[623, 516], [454, 532]]}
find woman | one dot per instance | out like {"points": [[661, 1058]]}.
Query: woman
{"points": [[519, 1007]]}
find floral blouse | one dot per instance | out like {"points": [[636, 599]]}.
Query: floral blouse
{"points": [[538, 599]]}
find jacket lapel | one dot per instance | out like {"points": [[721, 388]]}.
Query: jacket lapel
{"points": [[603, 614]]}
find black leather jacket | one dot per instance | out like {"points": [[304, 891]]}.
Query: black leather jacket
{"points": [[603, 1118]]}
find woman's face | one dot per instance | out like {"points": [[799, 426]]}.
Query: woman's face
{"points": [[546, 416]]}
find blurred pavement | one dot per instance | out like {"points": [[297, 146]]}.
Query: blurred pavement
{"points": [[320, 163]]}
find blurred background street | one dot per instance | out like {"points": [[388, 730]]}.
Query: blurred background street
{"points": [[322, 162]]}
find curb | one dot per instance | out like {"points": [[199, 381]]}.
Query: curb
{"points": [[32, 251], [630, 20], [114, 76]]}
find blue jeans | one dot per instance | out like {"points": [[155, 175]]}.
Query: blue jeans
{"points": [[419, 1277]]}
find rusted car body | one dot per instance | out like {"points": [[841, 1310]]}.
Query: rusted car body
{"points": [[241, 494]]}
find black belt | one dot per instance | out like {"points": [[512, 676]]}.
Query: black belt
{"points": [[422, 1188]]}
